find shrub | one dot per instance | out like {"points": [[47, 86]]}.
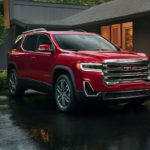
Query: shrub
{"points": [[3, 80]]}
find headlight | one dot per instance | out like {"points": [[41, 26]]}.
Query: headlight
{"points": [[95, 67]]}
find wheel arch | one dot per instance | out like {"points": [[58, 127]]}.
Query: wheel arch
{"points": [[60, 69], [11, 66]]}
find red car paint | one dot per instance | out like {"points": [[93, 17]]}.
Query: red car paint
{"points": [[40, 66]]}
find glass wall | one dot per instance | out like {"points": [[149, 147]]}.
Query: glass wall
{"points": [[116, 34], [105, 31], [119, 34], [127, 35]]}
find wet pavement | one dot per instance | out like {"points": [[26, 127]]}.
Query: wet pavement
{"points": [[37, 125]]}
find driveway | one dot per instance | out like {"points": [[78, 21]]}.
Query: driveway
{"points": [[37, 125]]}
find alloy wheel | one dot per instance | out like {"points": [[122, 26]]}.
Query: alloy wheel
{"points": [[63, 95]]}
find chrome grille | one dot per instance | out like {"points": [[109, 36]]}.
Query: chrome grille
{"points": [[125, 71]]}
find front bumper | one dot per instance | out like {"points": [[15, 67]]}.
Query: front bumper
{"points": [[123, 95], [118, 96]]}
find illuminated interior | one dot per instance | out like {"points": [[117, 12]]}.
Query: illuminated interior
{"points": [[119, 34]]}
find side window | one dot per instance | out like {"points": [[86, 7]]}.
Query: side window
{"points": [[30, 42], [44, 39]]}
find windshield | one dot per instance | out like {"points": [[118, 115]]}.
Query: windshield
{"points": [[83, 42]]}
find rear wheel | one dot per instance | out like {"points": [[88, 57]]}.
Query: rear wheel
{"points": [[64, 94], [14, 86]]}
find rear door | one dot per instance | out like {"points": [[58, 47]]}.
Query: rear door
{"points": [[29, 47]]}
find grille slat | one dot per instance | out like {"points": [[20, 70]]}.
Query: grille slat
{"points": [[127, 75], [126, 71], [120, 68]]}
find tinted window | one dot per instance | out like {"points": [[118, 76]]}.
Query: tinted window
{"points": [[30, 43], [44, 39], [83, 42]]}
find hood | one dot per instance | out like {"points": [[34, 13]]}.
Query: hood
{"points": [[103, 55]]}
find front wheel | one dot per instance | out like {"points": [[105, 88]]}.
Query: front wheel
{"points": [[64, 94]]}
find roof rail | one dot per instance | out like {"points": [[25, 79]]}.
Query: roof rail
{"points": [[34, 30], [80, 30]]}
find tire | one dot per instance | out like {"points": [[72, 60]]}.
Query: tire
{"points": [[14, 86], [64, 94]]}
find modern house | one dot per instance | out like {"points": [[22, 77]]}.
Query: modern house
{"points": [[124, 22], [22, 15]]}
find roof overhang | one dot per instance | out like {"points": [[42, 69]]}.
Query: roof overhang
{"points": [[62, 25], [110, 11], [115, 19], [26, 24]]}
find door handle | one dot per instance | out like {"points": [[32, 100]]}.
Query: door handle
{"points": [[17, 56], [33, 57]]}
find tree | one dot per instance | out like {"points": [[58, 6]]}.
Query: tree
{"points": [[79, 2], [2, 29]]}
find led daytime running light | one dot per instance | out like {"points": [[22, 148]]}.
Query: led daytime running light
{"points": [[96, 67]]}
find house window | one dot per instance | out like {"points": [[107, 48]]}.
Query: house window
{"points": [[127, 36], [119, 34], [116, 34], [105, 31]]}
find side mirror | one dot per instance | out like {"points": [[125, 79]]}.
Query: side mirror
{"points": [[44, 48]]}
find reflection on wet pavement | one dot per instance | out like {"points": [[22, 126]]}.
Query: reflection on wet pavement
{"points": [[37, 125]]}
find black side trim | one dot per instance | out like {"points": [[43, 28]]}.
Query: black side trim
{"points": [[35, 85]]}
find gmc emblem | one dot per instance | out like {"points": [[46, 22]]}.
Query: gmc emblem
{"points": [[132, 68]]}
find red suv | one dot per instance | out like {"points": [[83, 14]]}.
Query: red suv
{"points": [[75, 66]]}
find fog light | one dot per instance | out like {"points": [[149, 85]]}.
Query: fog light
{"points": [[112, 83], [88, 89]]}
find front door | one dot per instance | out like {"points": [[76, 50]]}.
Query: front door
{"points": [[42, 62]]}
